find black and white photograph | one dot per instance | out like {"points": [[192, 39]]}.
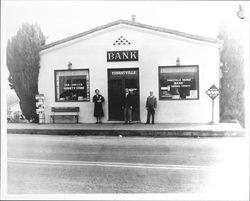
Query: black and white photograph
{"points": [[124, 100]]}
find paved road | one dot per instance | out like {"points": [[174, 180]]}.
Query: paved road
{"points": [[81, 164]]}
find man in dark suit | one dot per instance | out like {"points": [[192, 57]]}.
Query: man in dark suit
{"points": [[127, 106], [151, 105]]}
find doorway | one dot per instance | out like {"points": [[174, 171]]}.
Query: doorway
{"points": [[118, 80]]}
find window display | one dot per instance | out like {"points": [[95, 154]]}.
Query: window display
{"points": [[72, 85], [178, 82]]}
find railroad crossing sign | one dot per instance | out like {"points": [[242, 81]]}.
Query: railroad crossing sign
{"points": [[213, 92]]}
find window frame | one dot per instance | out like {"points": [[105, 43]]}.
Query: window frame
{"points": [[64, 70], [181, 66]]}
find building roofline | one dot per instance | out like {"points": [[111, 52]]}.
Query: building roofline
{"points": [[135, 24]]}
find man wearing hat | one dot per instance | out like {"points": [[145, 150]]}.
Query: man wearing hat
{"points": [[151, 106]]}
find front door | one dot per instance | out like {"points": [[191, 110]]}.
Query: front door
{"points": [[118, 80]]}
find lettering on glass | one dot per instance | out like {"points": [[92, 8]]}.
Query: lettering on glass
{"points": [[131, 55], [177, 83], [124, 72], [72, 85]]}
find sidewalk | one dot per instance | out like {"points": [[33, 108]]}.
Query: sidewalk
{"points": [[114, 129]]}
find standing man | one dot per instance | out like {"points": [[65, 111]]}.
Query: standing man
{"points": [[127, 106], [151, 106]]}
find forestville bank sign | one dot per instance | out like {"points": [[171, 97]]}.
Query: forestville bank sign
{"points": [[131, 55]]}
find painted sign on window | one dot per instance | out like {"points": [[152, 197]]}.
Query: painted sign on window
{"points": [[72, 85], [178, 83]]}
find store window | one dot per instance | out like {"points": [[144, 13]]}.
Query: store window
{"points": [[178, 83], [72, 85]]}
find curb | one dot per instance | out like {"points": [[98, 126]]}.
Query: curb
{"points": [[142, 133]]}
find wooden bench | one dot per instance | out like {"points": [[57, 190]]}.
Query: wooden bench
{"points": [[65, 111]]}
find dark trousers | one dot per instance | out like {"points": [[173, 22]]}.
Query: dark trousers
{"points": [[151, 112], [127, 114]]}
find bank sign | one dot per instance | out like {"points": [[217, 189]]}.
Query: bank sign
{"points": [[130, 55]]}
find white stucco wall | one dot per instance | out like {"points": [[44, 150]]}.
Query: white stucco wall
{"points": [[155, 49]]}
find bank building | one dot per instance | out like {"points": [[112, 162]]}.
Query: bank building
{"points": [[178, 67]]}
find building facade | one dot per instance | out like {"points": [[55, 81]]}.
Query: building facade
{"points": [[178, 67]]}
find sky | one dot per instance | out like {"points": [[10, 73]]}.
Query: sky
{"points": [[60, 19]]}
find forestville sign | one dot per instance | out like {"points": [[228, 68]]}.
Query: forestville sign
{"points": [[131, 55]]}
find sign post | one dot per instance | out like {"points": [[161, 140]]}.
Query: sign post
{"points": [[213, 92]]}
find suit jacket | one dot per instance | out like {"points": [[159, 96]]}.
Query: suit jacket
{"points": [[127, 101], [151, 102]]}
